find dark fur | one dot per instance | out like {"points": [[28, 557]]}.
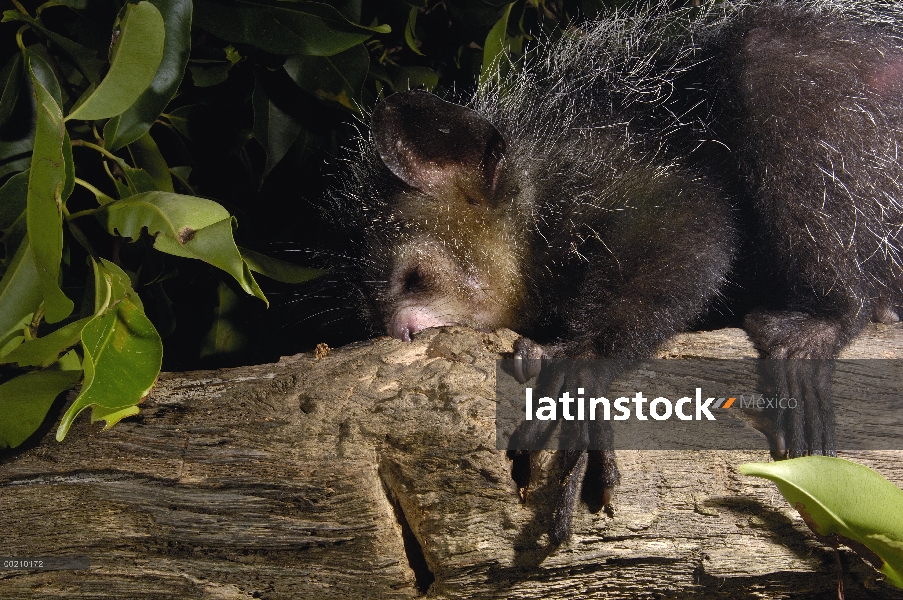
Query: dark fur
{"points": [[644, 169]]}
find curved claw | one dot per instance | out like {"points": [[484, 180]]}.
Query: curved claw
{"points": [[528, 357], [806, 427], [519, 369]]}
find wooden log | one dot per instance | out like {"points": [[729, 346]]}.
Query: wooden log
{"points": [[372, 472]]}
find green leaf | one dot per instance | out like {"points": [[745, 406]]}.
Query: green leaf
{"points": [[77, 4], [836, 496], [274, 129], [338, 79], [139, 180], [161, 309], [410, 31], [209, 73], [86, 59], [15, 154], [123, 352], [11, 81], [138, 118], [148, 157], [20, 297], [44, 351], [297, 28], [305, 145], [409, 78], [47, 182], [279, 270], [182, 118], [232, 55], [184, 226], [17, 135], [41, 69], [123, 189], [224, 338], [496, 47], [135, 56], [13, 202], [69, 168], [112, 415], [25, 400], [182, 174]]}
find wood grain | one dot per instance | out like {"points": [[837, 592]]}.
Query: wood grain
{"points": [[331, 477]]}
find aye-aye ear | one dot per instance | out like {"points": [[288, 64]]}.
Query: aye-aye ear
{"points": [[427, 142]]}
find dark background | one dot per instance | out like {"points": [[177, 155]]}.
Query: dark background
{"points": [[279, 214]]}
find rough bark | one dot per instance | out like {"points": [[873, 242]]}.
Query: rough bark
{"points": [[372, 472]]}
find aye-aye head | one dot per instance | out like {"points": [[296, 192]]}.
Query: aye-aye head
{"points": [[451, 249]]}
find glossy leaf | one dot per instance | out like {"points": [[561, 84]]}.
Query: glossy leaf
{"points": [[87, 60], [47, 182], [291, 28], [496, 47], [122, 352], [161, 309], [337, 79], [184, 226], [410, 31], [135, 56], [836, 496], [305, 145], [17, 141], [409, 78], [279, 270], [137, 180], [209, 73], [223, 337], [138, 118], [148, 157], [274, 129], [20, 297], [46, 350], [11, 80], [122, 189], [13, 201], [182, 118], [182, 174], [77, 4], [26, 399], [17, 135], [15, 154], [41, 69], [68, 168]]}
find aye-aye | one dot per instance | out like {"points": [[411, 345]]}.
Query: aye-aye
{"points": [[635, 174]]}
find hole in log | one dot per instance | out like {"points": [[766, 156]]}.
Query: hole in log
{"points": [[520, 470], [423, 577]]}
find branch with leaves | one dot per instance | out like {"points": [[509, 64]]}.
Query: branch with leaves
{"points": [[131, 88]]}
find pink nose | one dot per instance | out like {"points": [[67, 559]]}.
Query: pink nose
{"points": [[411, 319]]}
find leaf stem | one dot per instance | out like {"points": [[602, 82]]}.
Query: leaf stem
{"points": [[31, 332], [81, 213], [20, 8], [79, 235], [106, 167], [101, 197], [100, 149], [50, 4], [19, 37], [97, 136]]}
